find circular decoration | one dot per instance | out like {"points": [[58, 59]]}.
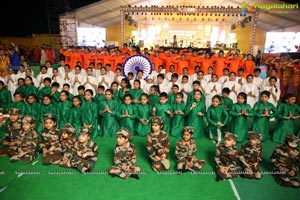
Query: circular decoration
{"points": [[135, 63]]}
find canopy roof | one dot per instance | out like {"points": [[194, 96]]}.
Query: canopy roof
{"points": [[106, 13]]}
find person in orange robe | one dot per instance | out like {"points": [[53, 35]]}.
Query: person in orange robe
{"points": [[234, 63], [156, 60], [206, 63], [194, 60], [4, 64], [181, 64], [219, 63], [168, 59], [86, 54], [248, 65], [125, 49]]}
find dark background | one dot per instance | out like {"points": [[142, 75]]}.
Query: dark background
{"points": [[25, 17]]}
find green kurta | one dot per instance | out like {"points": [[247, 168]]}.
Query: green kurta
{"points": [[119, 95], [34, 110], [43, 91], [214, 115], [136, 94], [75, 118], [30, 89], [20, 105], [89, 116], [190, 97], [239, 125], [153, 99], [227, 103], [99, 98], [262, 124], [109, 124], [127, 122], [161, 110], [55, 97], [48, 109], [194, 120], [20, 89], [5, 100], [178, 119], [171, 98], [143, 112], [285, 126], [63, 113]]}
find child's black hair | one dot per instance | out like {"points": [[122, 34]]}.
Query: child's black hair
{"points": [[226, 90], [265, 92], [244, 95], [163, 94]]}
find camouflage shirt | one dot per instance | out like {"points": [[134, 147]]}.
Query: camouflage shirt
{"points": [[158, 145], [27, 141], [67, 144], [227, 156], [50, 138], [91, 149], [185, 152], [285, 157], [251, 154], [125, 156], [13, 130]]}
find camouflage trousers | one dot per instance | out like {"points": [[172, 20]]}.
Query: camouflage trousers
{"points": [[253, 172], [284, 179], [196, 165], [117, 170], [232, 172], [66, 160], [82, 165], [53, 157], [26, 158], [159, 165], [7, 151]]}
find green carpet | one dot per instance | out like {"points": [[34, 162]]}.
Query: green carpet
{"points": [[102, 186]]}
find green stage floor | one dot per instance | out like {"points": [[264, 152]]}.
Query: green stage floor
{"points": [[45, 184]]}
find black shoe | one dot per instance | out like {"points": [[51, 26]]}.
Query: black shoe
{"points": [[112, 175], [136, 176], [219, 178]]}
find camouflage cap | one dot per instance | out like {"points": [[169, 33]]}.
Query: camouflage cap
{"points": [[255, 135], [50, 116], [69, 129], [189, 129], [14, 111], [229, 135], [158, 120], [28, 119], [292, 140], [124, 132], [84, 130]]}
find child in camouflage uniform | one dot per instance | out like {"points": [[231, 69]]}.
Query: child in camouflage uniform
{"points": [[50, 140], [186, 151], [285, 160], [27, 142], [251, 155], [158, 146], [227, 157], [85, 153], [124, 157], [13, 128], [67, 141]]}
